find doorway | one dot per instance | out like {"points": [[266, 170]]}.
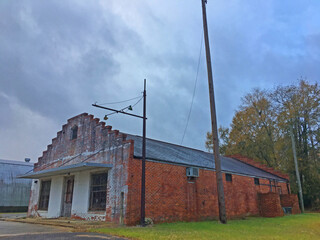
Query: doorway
{"points": [[67, 196]]}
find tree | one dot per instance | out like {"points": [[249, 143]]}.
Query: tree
{"points": [[223, 140], [260, 130]]}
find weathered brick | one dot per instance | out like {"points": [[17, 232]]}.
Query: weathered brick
{"points": [[170, 194]]}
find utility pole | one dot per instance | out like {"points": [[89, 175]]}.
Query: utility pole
{"points": [[143, 163], [296, 167], [222, 207], [143, 174]]}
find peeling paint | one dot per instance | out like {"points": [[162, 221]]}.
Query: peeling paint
{"points": [[95, 143]]}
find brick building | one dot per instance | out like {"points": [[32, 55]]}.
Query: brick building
{"points": [[90, 171]]}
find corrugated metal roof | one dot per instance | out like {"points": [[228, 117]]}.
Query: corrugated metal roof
{"points": [[12, 162], [167, 152]]}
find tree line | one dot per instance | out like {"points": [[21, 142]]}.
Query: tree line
{"points": [[260, 129]]}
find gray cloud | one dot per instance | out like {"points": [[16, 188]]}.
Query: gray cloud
{"points": [[56, 58]]}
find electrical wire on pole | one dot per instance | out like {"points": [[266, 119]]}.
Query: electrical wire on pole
{"points": [[130, 99]]}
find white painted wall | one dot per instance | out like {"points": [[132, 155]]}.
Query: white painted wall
{"points": [[80, 200], [55, 198], [34, 196]]}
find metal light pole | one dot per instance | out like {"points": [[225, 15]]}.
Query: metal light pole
{"points": [[143, 174], [143, 167], [221, 201]]}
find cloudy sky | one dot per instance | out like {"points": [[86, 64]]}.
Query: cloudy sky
{"points": [[59, 57]]}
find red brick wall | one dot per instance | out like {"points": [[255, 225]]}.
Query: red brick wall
{"points": [[171, 196], [290, 200], [270, 204]]}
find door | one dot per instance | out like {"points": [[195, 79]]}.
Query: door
{"points": [[67, 197]]}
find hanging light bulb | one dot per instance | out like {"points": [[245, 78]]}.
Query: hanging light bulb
{"points": [[130, 108], [105, 117]]}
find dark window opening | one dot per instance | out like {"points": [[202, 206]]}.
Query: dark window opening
{"points": [[228, 177], [256, 181], [98, 191], [44, 195], [74, 132], [287, 210]]}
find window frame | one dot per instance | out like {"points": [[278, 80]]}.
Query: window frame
{"points": [[103, 201], [74, 132], [43, 204], [228, 177]]}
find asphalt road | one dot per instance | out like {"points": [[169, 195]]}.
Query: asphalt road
{"points": [[19, 231], [12, 215]]}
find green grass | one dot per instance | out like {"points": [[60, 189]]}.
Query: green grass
{"points": [[302, 226]]}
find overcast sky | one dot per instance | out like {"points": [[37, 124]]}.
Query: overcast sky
{"points": [[59, 57]]}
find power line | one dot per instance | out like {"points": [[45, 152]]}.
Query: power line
{"points": [[126, 109], [120, 101], [137, 102], [172, 167], [194, 92]]}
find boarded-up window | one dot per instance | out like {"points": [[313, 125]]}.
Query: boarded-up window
{"points": [[44, 195], [98, 191], [74, 132]]}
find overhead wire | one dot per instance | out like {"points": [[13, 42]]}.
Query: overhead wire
{"points": [[194, 91], [127, 107], [120, 101], [172, 167], [185, 129], [72, 158]]}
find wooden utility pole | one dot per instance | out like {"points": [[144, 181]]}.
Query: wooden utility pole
{"points": [[222, 207], [297, 169]]}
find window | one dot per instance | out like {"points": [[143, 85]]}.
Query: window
{"points": [[74, 132], [98, 191], [228, 177], [44, 195], [256, 181]]}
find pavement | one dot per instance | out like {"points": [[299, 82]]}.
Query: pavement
{"points": [[12, 215], [76, 225], [13, 229], [17, 229]]}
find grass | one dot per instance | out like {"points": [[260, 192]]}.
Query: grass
{"points": [[302, 226]]}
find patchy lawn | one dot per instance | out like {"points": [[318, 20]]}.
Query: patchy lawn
{"points": [[302, 226]]}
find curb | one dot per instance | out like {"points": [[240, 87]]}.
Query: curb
{"points": [[42, 223], [73, 225]]}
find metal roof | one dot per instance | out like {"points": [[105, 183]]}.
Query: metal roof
{"points": [[11, 162], [65, 169], [175, 154]]}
